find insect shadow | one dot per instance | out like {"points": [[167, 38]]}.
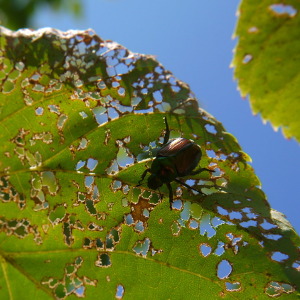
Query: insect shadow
{"points": [[175, 159]]}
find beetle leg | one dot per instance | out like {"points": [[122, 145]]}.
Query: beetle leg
{"points": [[187, 186], [201, 170], [160, 194], [143, 176], [170, 194], [167, 134]]}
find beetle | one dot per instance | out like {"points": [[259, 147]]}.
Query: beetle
{"points": [[176, 158]]}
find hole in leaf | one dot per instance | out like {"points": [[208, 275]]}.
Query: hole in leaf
{"points": [[274, 237], [248, 224], [116, 185], [211, 153], [56, 215], [279, 256], [83, 115], [54, 109], [235, 215], [157, 96], [296, 265], [39, 111], [120, 291], [142, 247], [80, 291], [103, 261], [233, 287], [87, 243], [71, 283], [89, 204], [88, 181], [185, 213], [210, 128], [193, 224], [49, 181], [253, 29], [61, 121], [175, 228], [99, 244], [216, 221], [282, 9], [139, 226], [247, 58], [205, 226], [267, 225], [112, 113], [274, 289], [92, 164], [205, 249], [146, 213], [100, 114], [224, 269], [79, 165], [222, 211], [129, 219], [113, 168], [124, 159]]}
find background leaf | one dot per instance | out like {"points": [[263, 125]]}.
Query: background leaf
{"points": [[267, 61], [80, 119], [15, 14]]}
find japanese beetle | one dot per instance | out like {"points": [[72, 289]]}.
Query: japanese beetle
{"points": [[176, 158]]}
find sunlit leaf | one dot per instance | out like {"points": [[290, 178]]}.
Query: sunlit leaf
{"points": [[80, 120]]}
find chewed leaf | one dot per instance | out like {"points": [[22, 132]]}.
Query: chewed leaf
{"points": [[81, 119]]}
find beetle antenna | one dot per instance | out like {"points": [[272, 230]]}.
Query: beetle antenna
{"points": [[167, 134]]}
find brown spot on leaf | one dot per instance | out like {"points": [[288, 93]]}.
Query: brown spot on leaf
{"points": [[137, 210]]}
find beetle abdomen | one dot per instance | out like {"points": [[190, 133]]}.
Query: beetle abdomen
{"points": [[188, 160]]}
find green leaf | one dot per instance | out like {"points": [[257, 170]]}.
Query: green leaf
{"points": [[267, 61], [80, 120]]}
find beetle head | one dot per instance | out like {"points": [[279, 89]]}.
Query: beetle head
{"points": [[154, 182]]}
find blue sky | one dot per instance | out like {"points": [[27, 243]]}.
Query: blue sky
{"points": [[193, 39]]}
